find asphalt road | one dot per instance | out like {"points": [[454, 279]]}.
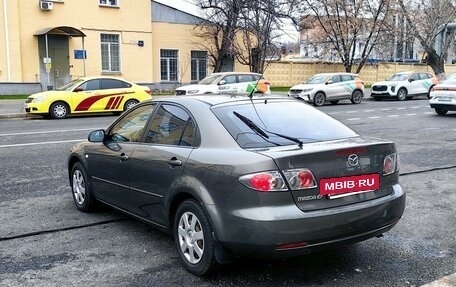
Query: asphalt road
{"points": [[45, 241]]}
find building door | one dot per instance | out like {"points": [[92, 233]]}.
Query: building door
{"points": [[54, 69]]}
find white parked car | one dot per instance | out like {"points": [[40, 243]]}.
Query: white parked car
{"points": [[404, 85], [443, 97], [226, 83], [331, 87]]}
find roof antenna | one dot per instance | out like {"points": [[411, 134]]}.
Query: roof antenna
{"points": [[255, 87]]}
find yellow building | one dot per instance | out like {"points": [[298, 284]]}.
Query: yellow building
{"points": [[44, 44]]}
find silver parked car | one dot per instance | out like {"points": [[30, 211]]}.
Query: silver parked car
{"points": [[329, 87], [232, 176]]}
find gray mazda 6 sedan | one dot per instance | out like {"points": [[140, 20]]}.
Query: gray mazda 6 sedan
{"points": [[233, 176]]}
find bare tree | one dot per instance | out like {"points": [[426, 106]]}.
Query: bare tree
{"points": [[241, 29], [352, 28], [430, 21], [219, 30], [262, 22]]}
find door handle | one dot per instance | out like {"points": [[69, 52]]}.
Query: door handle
{"points": [[174, 162], [123, 157]]}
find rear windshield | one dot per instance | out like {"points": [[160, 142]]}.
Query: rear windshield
{"points": [[290, 118]]}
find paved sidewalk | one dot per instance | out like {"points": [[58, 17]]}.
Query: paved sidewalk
{"points": [[12, 109]]}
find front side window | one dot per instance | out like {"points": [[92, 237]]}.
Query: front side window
{"points": [[198, 65], [91, 85], [110, 53], [131, 127], [168, 65], [231, 79], [171, 125], [415, 77]]}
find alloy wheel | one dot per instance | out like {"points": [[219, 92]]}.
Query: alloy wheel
{"points": [[191, 237], [79, 190]]}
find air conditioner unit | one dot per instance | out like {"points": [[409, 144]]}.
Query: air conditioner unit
{"points": [[46, 5]]}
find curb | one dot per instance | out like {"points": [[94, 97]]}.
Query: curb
{"points": [[12, 116]]}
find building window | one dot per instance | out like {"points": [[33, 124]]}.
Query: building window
{"points": [[198, 65], [110, 54], [114, 3], [168, 65]]}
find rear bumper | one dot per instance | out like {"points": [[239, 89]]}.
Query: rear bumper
{"points": [[444, 106], [287, 231]]}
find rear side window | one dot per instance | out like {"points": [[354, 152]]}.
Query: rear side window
{"points": [[290, 118], [425, 76], [171, 125], [346, 78], [113, 84], [245, 78]]}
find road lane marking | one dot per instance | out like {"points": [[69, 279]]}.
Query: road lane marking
{"points": [[410, 114], [373, 117], [392, 116], [351, 112], [47, 132], [400, 108], [385, 109], [353, 119], [428, 113], [40, 143]]}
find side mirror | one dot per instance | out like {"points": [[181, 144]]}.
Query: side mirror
{"points": [[329, 82], [78, 89], [222, 82], [411, 80], [97, 136]]}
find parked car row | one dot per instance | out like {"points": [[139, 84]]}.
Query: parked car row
{"points": [[112, 94]]}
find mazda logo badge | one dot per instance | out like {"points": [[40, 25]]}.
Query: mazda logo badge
{"points": [[352, 160]]}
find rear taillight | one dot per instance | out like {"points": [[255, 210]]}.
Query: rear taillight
{"points": [[149, 92], [390, 164], [273, 181], [264, 181], [300, 178]]}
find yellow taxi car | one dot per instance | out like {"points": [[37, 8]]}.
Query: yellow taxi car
{"points": [[87, 95]]}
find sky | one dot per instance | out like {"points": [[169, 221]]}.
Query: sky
{"points": [[290, 34]]}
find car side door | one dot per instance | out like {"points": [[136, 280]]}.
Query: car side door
{"points": [[157, 164], [227, 84], [334, 88], [86, 97], [415, 85], [426, 82], [109, 161], [245, 81]]}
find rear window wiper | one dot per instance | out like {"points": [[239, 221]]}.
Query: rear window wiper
{"points": [[263, 132]]}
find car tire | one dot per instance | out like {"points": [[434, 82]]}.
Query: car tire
{"points": [[402, 94], [319, 99], [82, 189], [356, 97], [441, 112], [193, 238], [429, 92], [59, 110], [129, 104], [335, 102]]}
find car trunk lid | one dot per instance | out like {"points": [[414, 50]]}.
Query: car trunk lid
{"points": [[345, 171]]}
